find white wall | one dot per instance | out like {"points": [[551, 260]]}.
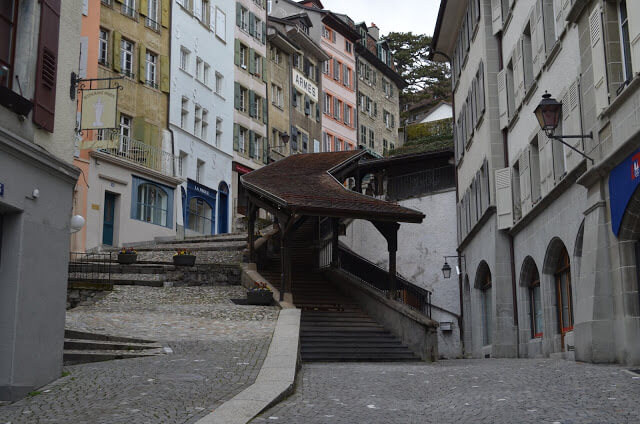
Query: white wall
{"points": [[443, 111], [421, 248]]}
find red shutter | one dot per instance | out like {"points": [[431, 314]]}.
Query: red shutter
{"points": [[46, 71]]}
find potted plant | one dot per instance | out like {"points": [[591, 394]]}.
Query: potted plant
{"points": [[260, 294], [184, 257], [127, 256]]}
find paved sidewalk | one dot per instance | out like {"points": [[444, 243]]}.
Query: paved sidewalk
{"points": [[218, 349], [461, 391]]}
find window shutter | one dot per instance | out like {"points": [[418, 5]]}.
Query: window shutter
{"points": [[294, 138], [333, 36], [455, 144], [236, 137], [559, 16], [265, 111], [252, 23], [264, 33], [525, 181], [504, 200], [265, 150], [548, 20], [496, 16], [307, 105], [238, 14], [236, 95], [142, 64], [633, 12], [47, 67], [115, 51], [571, 125], [537, 38], [474, 104], [481, 96], [197, 9], [143, 7], [598, 60], [237, 53], [165, 13], [317, 112], [502, 99], [546, 163], [252, 104], [252, 61], [164, 74], [212, 18], [519, 74], [294, 97], [264, 69], [252, 144]]}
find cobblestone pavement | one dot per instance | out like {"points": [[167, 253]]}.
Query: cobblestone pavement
{"points": [[461, 391], [218, 350]]}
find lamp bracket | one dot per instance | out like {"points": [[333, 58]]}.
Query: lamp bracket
{"points": [[581, 136]]}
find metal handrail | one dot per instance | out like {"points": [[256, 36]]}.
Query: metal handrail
{"points": [[143, 154]]}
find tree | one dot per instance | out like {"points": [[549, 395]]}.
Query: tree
{"points": [[426, 78]]}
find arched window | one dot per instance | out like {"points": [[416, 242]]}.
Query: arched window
{"points": [[487, 309], [563, 291], [152, 204], [200, 214]]}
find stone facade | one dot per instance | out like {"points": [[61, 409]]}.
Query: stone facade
{"points": [[552, 270]]}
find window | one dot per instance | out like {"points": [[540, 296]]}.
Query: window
{"points": [[276, 95], [624, 41], [337, 105], [151, 21], [199, 68], [385, 146], [257, 65], [219, 83], [337, 144], [129, 8], [152, 204], [182, 164], [296, 61], [346, 76], [326, 67], [511, 103], [244, 19], [205, 74], [197, 121], [372, 142], [244, 54], [487, 309], [242, 139], [199, 171], [257, 107], [258, 29], [326, 32], [218, 132], [205, 124], [151, 66], [126, 57], [184, 113], [187, 4], [327, 104], [275, 55], [326, 142], [244, 95], [125, 130], [184, 59], [534, 164], [336, 70], [199, 218], [348, 46], [527, 57], [563, 293], [206, 12], [535, 297], [103, 47], [347, 115], [363, 136]]}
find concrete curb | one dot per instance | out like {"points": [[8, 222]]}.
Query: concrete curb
{"points": [[275, 380]]}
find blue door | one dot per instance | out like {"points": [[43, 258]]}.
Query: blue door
{"points": [[223, 208], [109, 218]]}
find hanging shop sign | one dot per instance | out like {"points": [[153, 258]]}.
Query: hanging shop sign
{"points": [[99, 109], [305, 85], [624, 179]]}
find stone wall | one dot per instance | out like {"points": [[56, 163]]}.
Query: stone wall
{"points": [[79, 294], [204, 275]]}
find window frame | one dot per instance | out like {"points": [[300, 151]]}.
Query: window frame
{"points": [[103, 47], [124, 54]]}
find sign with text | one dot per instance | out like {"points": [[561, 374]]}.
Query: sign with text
{"points": [[309, 88], [624, 179], [99, 109]]}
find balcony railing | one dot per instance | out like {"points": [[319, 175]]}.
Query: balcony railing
{"points": [[151, 24], [129, 12], [143, 154]]}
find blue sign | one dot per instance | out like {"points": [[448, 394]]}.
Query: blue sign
{"points": [[1, 189], [623, 181]]}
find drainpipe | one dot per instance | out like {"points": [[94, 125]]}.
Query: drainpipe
{"points": [[460, 316]]}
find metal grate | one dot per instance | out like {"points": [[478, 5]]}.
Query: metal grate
{"points": [[90, 267]]}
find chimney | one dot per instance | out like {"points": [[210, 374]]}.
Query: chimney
{"points": [[374, 31]]}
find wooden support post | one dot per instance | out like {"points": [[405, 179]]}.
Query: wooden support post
{"points": [[251, 227], [358, 186], [335, 259], [389, 231]]}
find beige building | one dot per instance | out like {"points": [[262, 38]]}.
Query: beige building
{"points": [[548, 231]]}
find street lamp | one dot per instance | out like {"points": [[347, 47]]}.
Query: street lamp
{"points": [[446, 268], [284, 137], [548, 113]]}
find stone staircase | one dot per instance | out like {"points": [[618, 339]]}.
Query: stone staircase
{"points": [[333, 327], [81, 348]]}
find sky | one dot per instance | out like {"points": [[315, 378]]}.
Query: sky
{"points": [[417, 16]]}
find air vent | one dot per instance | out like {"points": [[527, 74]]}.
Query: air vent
{"points": [[48, 69]]}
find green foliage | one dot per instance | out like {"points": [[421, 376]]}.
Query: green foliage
{"points": [[427, 129], [34, 393], [427, 79], [65, 373]]}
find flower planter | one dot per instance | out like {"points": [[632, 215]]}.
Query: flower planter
{"points": [[184, 260], [259, 297], [127, 258]]}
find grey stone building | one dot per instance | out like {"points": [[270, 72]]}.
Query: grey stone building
{"points": [[295, 101], [378, 87], [37, 182], [549, 237]]}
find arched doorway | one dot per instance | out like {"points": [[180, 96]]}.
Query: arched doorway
{"points": [[223, 208], [530, 282], [557, 266], [200, 216], [484, 284]]}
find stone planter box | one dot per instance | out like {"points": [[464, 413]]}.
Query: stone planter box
{"points": [[259, 297], [184, 260], [127, 258]]}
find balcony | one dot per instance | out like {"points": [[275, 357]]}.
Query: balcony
{"points": [[129, 12], [152, 25], [139, 153]]}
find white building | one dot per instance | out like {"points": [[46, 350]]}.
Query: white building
{"points": [[201, 112]]}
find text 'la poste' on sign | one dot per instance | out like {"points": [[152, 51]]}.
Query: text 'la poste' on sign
{"points": [[304, 84], [624, 179], [99, 109]]}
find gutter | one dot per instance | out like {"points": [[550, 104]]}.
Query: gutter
{"points": [[436, 33]]}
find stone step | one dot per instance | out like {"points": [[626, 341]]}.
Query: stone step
{"points": [[196, 247], [95, 345], [73, 357], [84, 335], [359, 357]]}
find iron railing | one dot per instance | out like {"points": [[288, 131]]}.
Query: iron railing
{"points": [[143, 154], [129, 12], [90, 267], [151, 24], [371, 274], [325, 254], [420, 183]]}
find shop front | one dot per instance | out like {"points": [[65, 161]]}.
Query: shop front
{"points": [[199, 208]]}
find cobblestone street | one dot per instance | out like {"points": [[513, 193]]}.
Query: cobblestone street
{"points": [[461, 391], [218, 348]]}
